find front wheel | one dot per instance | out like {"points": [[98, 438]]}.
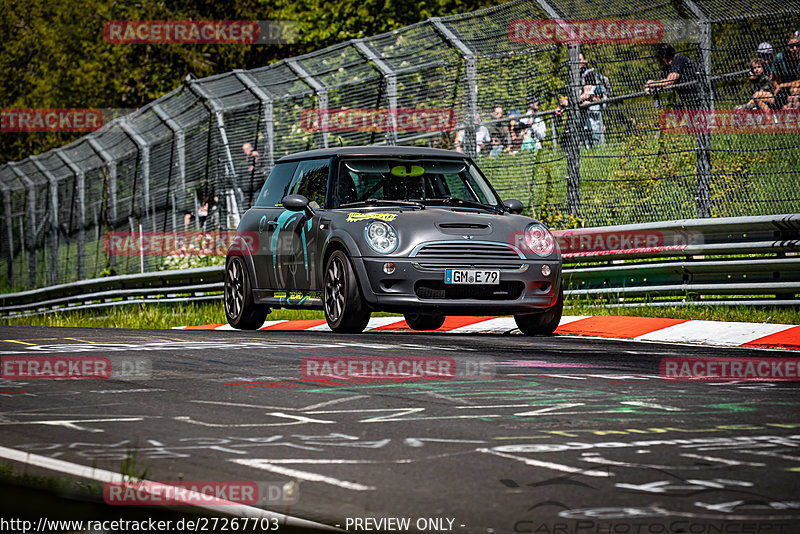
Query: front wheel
{"points": [[345, 309], [544, 323], [424, 322], [240, 308]]}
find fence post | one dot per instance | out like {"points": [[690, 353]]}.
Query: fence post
{"points": [[179, 138], [31, 216], [233, 199], [574, 130], [322, 96], [471, 89], [80, 178], [53, 218], [144, 151], [266, 112], [111, 166], [10, 231], [574, 86], [391, 85], [703, 198]]}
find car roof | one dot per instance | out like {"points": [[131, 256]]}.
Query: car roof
{"points": [[374, 151]]}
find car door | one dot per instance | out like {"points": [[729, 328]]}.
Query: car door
{"points": [[263, 219], [293, 241]]}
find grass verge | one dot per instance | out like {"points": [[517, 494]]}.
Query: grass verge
{"points": [[168, 315]]}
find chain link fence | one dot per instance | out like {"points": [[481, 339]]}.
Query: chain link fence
{"points": [[593, 150]]}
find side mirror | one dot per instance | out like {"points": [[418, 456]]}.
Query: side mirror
{"points": [[297, 203], [513, 206]]}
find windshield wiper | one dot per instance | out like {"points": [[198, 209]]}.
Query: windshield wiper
{"points": [[465, 203], [383, 202]]}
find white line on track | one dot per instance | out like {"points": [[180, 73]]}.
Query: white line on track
{"points": [[548, 465], [303, 475], [101, 475]]}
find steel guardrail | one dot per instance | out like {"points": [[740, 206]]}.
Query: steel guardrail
{"points": [[739, 257]]}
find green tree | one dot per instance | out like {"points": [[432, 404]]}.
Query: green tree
{"points": [[54, 53]]}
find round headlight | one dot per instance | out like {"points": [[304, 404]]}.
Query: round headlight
{"points": [[381, 237], [539, 240]]}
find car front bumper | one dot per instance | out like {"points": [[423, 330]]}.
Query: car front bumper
{"points": [[417, 288]]}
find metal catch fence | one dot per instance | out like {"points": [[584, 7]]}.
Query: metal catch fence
{"points": [[562, 123]]}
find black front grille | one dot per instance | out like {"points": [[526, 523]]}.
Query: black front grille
{"points": [[467, 251], [437, 290], [461, 265]]}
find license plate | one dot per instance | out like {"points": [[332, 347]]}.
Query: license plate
{"points": [[471, 276]]}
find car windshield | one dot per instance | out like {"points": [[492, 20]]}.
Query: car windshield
{"points": [[414, 182]]}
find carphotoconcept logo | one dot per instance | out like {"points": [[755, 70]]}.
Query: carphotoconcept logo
{"points": [[378, 120]]}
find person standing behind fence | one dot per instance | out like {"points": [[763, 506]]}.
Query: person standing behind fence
{"points": [[482, 137], [595, 88], [787, 74], [499, 132], [676, 69]]}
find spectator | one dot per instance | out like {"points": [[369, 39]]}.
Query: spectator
{"points": [[592, 116], [499, 132], [764, 95], [206, 205], [765, 54], [560, 122], [591, 76], [252, 158], [482, 137], [786, 69], [536, 129], [677, 69], [595, 87], [516, 129]]}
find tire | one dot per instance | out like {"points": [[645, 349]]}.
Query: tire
{"points": [[544, 323], [424, 322], [240, 309], [345, 309]]}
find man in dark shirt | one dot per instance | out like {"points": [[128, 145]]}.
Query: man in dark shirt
{"points": [[786, 70], [677, 69]]}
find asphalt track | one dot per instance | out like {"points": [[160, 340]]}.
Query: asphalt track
{"points": [[551, 435]]}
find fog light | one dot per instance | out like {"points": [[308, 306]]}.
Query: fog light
{"points": [[546, 270], [388, 267]]}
